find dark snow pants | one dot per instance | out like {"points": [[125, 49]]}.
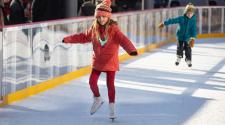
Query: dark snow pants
{"points": [[184, 46]]}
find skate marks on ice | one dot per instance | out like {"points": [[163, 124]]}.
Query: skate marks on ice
{"points": [[151, 90], [200, 88]]}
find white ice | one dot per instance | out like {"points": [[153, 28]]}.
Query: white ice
{"points": [[150, 90]]}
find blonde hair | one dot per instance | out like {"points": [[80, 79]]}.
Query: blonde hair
{"points": [[189, 8], [95, 27]]}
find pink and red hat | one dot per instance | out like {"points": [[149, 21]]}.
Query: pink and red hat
{"points": [[103, 9]]}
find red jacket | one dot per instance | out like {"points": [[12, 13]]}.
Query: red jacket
{"points": [[105, 58]]}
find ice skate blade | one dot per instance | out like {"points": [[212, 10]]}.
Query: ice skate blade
{"points": [[97, 109], [190, 65], [113, 119]]}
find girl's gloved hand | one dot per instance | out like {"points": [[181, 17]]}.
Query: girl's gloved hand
{"points": [[161, 25], [192, 42], [134, 53]]}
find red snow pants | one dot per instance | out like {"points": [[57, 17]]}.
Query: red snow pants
{"points": [[110, 78]]}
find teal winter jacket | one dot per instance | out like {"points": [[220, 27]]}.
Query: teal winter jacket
{"points": [[187, 27]]}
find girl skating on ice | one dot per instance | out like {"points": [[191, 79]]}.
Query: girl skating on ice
{"points": [[106, 38], [186, 33]]}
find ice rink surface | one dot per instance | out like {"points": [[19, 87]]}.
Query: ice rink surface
{"points": [[150, 90]]}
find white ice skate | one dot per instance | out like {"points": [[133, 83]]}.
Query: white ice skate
{"points": [[112, 113], [98, 101], [188, 63], [178, 60]]}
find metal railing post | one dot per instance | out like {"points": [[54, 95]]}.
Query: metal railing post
{"points": [[1, 66]]}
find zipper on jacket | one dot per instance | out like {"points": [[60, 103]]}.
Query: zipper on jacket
{"points": [[186, 22]]}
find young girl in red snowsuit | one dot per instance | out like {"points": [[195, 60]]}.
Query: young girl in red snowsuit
{"points": [[106, 38]]}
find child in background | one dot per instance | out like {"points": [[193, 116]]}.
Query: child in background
{"points": [[106, 38], [186, 33]]}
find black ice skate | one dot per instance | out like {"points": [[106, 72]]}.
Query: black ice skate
{"points": [[178, 60], [188, 63]]}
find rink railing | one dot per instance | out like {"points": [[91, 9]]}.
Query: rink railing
{"points": [[33, 58]]}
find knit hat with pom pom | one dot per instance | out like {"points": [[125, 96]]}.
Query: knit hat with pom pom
{"points": [[103, 9]]}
